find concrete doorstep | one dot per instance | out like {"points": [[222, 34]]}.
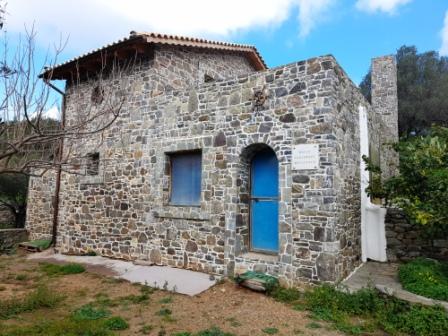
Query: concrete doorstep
{"points": [[173, 279]]}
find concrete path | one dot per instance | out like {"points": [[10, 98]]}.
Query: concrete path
{"points": [[173, 279], [384, 277]]}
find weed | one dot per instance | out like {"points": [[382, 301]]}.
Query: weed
{"points": [[42, 297], [2, 288], [233, 322], [116, 323], [166, 300], [213, 332], [90, 253], [270, 331], [54, 270], [21, 277], [164, 312], [313, 325], [286, 295], [425, 277], [146, 329], [88, 312]]}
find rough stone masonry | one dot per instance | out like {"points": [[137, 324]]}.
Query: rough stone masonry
{"points": [[217, 101]]}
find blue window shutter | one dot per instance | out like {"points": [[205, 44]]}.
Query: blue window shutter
{"points": [[186, 178]]}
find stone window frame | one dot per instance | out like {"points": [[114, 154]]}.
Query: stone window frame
{"points": [[166, 210], [97, 178]]}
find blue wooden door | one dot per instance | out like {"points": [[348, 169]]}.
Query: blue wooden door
{"points": [[264, 202]]}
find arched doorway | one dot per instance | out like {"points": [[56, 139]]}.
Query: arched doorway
{"points": [[264, 201]]}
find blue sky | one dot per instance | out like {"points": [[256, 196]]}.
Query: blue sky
{"points": [[284, 31]]}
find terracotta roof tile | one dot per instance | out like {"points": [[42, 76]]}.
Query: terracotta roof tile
{"points": [[176, 40]]}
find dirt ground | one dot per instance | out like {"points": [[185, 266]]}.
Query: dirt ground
{"points": [[227, 306]]}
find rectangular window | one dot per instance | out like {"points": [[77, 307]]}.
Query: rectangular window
{"points": [[186, 178], [93, 164]]}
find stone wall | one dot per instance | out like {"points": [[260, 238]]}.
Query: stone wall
{"points": [[9, 238], [39, 215], [124, 211], [405, 241], [385, 103]]}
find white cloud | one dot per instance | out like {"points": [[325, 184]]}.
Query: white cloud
{"points": [[444, 48], [310, 13], [91, 23], [386, 6]]}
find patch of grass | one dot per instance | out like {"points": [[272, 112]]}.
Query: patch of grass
{"points": [[425, 277], [270, 331], [286, 295], [88, 313], [214, 331], [21, 277], [376, 311], [233, 322], [60, 327], [116, 323], [164, 312], [313, 325], [55, 270], [42, 297], [166, 300], [146, 329]]}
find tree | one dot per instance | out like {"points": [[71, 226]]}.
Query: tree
{"points": [[13, 194], [421, 188], [30, 143], [422, 81]]}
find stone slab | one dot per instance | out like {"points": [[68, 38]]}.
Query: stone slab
{"points": [[174, 279], [384, 277]]}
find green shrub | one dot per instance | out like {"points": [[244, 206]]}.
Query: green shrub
{"points": [[116, 323], [62, 327], [372, 310], [287, 295], [425, 277], [270, 331], [88, 312], [42, 297], [54, 269]]}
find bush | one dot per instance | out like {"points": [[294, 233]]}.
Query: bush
{"points": [[422, 184], [372, 311], [54, 270], [88, 312], [425, 277], [116, 323], [42, 297]]}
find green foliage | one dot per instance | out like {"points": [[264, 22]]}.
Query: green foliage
{"points": [[116, 323], [286, 295], [270, 331], [422, 80], [214, 331], [13, 195], [42, 297], [422, 185], [63, 327], [367, 310], [425, 277], [88, 312], [55, 270], [164, 312]]}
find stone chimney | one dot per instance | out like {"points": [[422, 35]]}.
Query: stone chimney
{"points": [[385, 104]]}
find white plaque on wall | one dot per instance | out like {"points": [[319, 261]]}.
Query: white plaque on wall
{"points": [[305, 157]]}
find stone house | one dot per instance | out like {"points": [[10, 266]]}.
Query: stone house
{"points": [[219, 164]]}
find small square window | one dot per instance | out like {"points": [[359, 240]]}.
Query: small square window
{"points": [[186, 178], [93, 164]]}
